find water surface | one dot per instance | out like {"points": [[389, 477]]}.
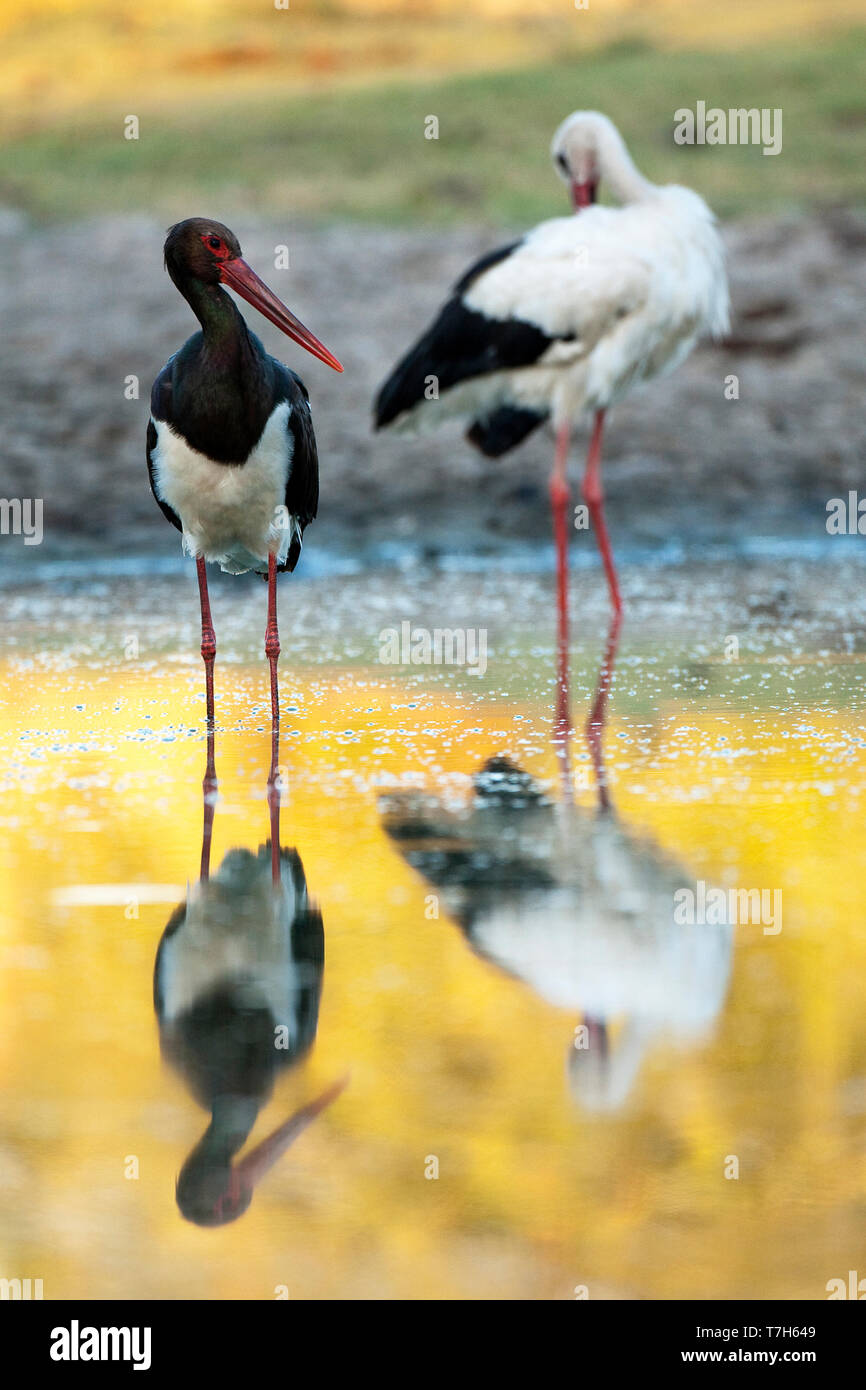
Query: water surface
{"points": [[464, 944]]}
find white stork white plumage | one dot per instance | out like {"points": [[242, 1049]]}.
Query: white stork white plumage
{"points": [[577, 906], [570, 318]]}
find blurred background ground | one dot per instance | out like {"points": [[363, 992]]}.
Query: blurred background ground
{"points": [[687, 467], [305, 127]]}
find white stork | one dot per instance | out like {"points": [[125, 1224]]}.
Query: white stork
{"points": [[578, 907], [568, 319]]}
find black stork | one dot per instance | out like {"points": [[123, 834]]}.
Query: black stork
{"points": [[236, 986], [231, 450], [566, 321]]}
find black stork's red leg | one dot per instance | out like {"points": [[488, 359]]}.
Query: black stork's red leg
{"points": [[208, 651], [209, 781], [209, 803], [272, 637], [274, 803], [593, 496], [559, 497], [272, 651]]}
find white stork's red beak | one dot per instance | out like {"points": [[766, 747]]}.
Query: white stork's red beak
{"points": [[242, 278], [583, 194]]}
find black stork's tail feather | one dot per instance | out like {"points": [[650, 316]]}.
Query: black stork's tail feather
{"points": [[503, 429], [294, 555], [291, 560], [302, 486]]}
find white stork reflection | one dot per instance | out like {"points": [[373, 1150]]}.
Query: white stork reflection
{"points": [[574, 903]]}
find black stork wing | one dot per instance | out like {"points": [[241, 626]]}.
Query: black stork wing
{"points": [[160, 409], [302, 485], [460, 344]]}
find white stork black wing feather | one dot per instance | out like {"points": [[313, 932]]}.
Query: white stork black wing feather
{"points": [[464, 343], [566, 319]]}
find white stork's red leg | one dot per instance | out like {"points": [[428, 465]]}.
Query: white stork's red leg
{"points": [[598, 713], [272, 637], [593, 496], [559, 496], [208, 651]]}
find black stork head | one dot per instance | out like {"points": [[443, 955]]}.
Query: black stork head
{"points": [[201, 252], [211, 1190]]}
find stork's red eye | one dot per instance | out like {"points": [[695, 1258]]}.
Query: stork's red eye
{"points": [[216, 244]]}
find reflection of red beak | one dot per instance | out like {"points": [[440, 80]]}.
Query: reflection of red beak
{"points": [[597, 1030], [583, 194], [240, 277], [259, 1160]]}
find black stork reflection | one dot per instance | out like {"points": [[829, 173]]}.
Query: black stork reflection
{"points": [[576, 905], [237, 983]]}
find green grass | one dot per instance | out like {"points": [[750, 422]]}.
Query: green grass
{"points": [[361, 154]]}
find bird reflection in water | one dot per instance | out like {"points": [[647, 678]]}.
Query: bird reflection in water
{"points": [[574, 903], [237, 983]]}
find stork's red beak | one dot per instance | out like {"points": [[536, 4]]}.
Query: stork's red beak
{"points": [[260, 1159], [240, 277], [583, 194]]}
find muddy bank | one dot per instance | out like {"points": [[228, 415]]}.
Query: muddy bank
{"points": [[85, 307]]}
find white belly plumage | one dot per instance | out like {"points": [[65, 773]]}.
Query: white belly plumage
{"points": [[236, 936], [232, 514]]}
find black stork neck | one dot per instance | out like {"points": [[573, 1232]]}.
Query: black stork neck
{"points": [[223, 383], [208, 1192], [195, 271], [224, 330]]}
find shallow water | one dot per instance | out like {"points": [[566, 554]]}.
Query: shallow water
{"points": [[465, 946]]}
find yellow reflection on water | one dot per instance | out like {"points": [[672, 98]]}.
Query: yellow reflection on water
{"points": [[448, 1056]]}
